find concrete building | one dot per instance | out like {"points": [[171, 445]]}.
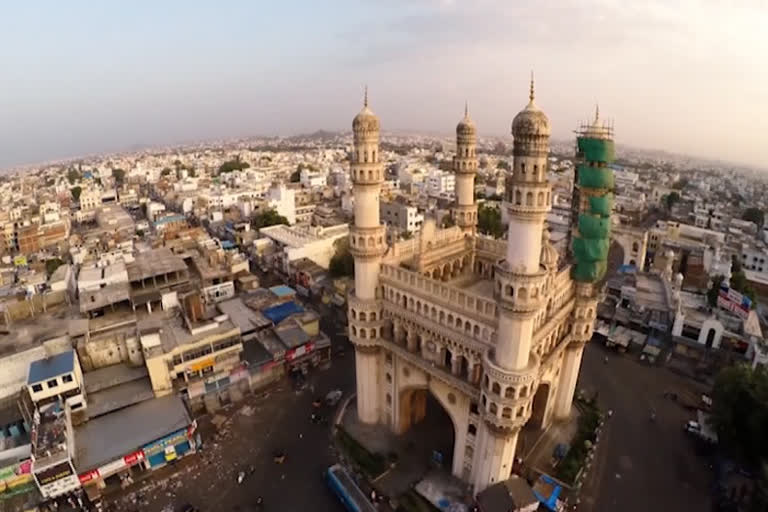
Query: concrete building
{"points": [[400, 216], [493, 331], [282, 245]]}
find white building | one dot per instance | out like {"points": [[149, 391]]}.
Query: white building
{"points": [[440, 183], [310, 178], [283, 200], [295, 243]]}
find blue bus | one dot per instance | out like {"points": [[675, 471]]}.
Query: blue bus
{"points": [[346, 490]]}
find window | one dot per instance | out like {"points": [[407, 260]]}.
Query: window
{"points": [[37, 388], [472, 428], [52, 383], [389, 399], [76, 406], [67, 378]]}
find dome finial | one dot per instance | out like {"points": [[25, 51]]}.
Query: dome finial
{"points": [[365, 96], [597, 112], [531, 95], [466, 109]]}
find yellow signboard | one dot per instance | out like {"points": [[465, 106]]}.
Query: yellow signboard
{"points": [[20, 261], [205, 363]]}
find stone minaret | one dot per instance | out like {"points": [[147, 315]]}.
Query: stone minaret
{"points": [[465, 168], [367, 245], [520, 281]]}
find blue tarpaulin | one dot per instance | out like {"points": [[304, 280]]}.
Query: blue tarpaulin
{"points": [[277, 314], [283, 291], [553, 489]]}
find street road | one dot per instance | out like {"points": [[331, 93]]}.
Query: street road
{"points": [[642, 465]]}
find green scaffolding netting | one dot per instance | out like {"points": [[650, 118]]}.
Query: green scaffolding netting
{"points": [[595, 177], [594, 226], [591, 249], [589, 270], [601, 205], [597, 150]]}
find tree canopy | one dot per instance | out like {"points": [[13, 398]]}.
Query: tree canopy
{"points": [[680, 184], [233, 165], [118, 175], [489, 221], [51, 265], [503, 164], [342, 263], [268, 218], [670, 200], [755, 215], [740, 412], [75, 191], [73, 175], [714, 290]]}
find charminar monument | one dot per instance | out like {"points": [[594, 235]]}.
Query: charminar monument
{"points": [[493, 329]]}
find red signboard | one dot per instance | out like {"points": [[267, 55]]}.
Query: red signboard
{"points": [[109, 468], [299, 351]]}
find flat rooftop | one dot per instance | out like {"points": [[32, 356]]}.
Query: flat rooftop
{"points": [[174, 332], [110, 376], [155, 262], [111, 436], [242, 316]]}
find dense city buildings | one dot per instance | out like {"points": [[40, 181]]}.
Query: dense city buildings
{"points": [[143, 294]]}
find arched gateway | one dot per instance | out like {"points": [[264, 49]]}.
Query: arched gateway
{"points": [[486, 334]]}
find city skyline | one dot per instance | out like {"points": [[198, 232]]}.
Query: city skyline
{"points": [[181, 72]]}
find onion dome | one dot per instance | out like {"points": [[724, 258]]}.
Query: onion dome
{"points": [[531, 121], [466, 126], [366, 120], [549, 255]]}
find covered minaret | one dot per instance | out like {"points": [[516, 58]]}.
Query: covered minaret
{"points": [[367, 245], [465, 168], [520, 280], [592, 205]]}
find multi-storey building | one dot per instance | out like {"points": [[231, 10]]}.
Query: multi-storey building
{"points": [[493, 330]]}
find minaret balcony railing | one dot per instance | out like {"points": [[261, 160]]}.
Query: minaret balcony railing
{"points": [[523, 376]]}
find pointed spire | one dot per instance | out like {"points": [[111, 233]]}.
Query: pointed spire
{"points": [[466, 109], [365, 97], [531, 95], [597, 112]]}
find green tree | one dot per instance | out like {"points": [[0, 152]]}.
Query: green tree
{"points": [[268, 218], [755, 215], [680, 184], [670, 200], [233, 165], [192, 172], [73, 175], [118, 175], [166, 171], [342, 263], [75, 191], [296, 175], [713, 291], [740, 412], [51, 265], [503, 164], [489, 221]]}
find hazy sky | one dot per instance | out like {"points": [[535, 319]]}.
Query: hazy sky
{"points": [[82, 77]]}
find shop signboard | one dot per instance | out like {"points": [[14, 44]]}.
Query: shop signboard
{"points": [[299, 351], [112, 467], [57, 479], [177, 437]]}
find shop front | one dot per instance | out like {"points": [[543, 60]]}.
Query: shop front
{"points": [[116, 473], [169, 448], [16, 478], [56, 480]]}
